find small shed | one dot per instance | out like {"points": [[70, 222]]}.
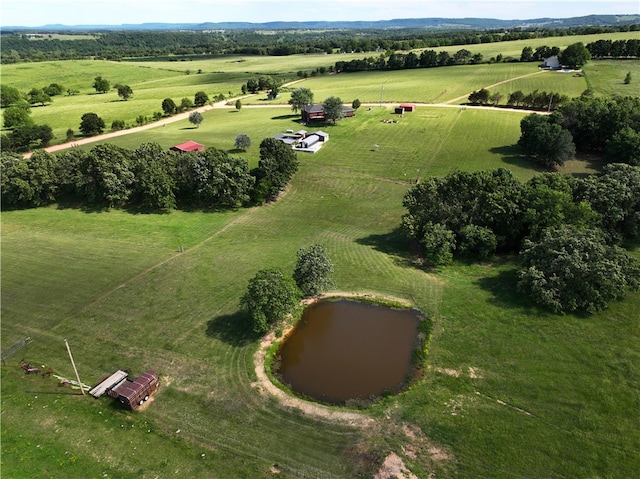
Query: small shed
{"points": [[408, 107], [188, 146], [399, 110], [322, 135], [133, 393]]}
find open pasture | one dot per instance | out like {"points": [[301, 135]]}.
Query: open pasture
{"points": [[509, 391]]}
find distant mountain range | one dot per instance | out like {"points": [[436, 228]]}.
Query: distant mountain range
{"points": [[426, 23]]}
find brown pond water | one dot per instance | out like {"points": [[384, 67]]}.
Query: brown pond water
{"points": [[343, 350]]}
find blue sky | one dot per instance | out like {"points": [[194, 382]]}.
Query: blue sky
{"points": [[116, 12]]}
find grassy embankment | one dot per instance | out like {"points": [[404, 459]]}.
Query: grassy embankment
{"points": [[510, 390]]}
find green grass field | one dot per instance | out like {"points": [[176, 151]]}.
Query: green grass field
{"points": [[152, 81], [509, 390]]}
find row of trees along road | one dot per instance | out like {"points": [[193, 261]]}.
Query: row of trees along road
{"points": [[271, 296], [476, 215], [148, 176]]}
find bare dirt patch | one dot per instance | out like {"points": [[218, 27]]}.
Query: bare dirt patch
{"points": [[393, 468]]}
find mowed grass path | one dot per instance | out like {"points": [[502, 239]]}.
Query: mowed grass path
{"points": [[549, 396]]}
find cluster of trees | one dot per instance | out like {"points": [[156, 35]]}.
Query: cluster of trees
{"points": [[615, 48], [609, 126], [117, 45], [148, 176], [568, 230], [538, 100], [271, 296], [169, 107], [262, 83], [17, 116]]}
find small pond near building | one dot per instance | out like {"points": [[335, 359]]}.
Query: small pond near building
{"points": [[345, 350]]}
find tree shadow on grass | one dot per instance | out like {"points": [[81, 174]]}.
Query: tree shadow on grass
{"points": [[285, 117], [234, 329], [512, 155], [394, 243], [505, 294]]}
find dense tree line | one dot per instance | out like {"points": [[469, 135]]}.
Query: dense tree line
{"points": [[393, 60], [115, 45], [148, 176], [475, 215], [604, 126]]}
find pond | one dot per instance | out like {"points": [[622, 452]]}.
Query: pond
{"points": [[344, 350]]}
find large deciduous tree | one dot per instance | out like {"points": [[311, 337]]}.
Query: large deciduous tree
{"points": [[269, 298], [105, 175], [313, 270], [101, 85], [546, 141], [278, 163], [242, 142], [300, 97], [91, 124], [124, 91], [9, 96], [575, 55], [154, 171], [195, 118], [200, 99], [169, 107], [16, 116], [333, 109], [573, 270], [28, 182]]}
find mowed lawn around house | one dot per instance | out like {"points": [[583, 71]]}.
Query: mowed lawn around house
{"points": [[509, 390]]}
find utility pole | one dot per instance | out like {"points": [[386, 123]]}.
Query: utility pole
{"points": [[74, 367]]}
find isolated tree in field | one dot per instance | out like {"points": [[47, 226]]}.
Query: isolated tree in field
{"points": [[101, 85], [574, 270], [313, 270], [124, 91], [575, 55], [356, 104], [91, 124], [238, 104], [195, 118], [9, 96], [200, 99], [54, 89], [16, 116], [269, 298], [300, 97], [242, 142], [37, 95], [169, 107], [333, 109], [627, 78]]}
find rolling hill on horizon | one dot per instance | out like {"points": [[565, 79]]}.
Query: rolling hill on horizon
{"points": [[416, 23]]}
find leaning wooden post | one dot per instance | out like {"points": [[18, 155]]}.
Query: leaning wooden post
{"points": [[74, 367]]}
